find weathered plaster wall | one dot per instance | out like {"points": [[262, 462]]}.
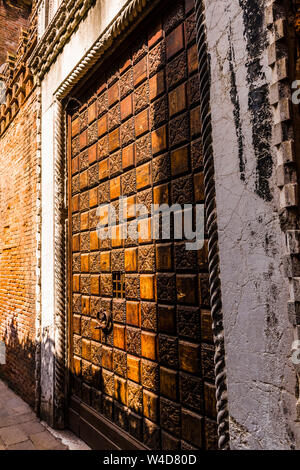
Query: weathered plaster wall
{"points": [[47, 268], [89, 30], [258, 335]]}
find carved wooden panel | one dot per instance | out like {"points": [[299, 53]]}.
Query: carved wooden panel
{"points": [[141, 97], [143, 149], [137, 136], [149, 315]]}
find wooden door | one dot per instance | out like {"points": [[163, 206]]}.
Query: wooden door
{"points": [[147, 379]]}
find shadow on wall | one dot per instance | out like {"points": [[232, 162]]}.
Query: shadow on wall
{"points": [[24, 359], [19, 368]]}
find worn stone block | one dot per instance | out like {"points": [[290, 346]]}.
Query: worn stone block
{"points": [[102, 126], [191, 427], [150, 405], [140, 71], [128, 156], [174, 41], [161, 194], [133, 313], [133, 368], [114, 140], [180, 161], [189, 357], [142, 123], [186, 289], [115, 187], [92, 112], [113, 94], [148, 345], [195, 122], [159, 140], [157, 85], [119, 336], [169, 383], [147, 286], [192, 57], [120, 390], [143, 176]]}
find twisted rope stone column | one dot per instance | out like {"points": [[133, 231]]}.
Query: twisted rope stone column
{"points": [[212, 229], [59, 267], [38, 321]]}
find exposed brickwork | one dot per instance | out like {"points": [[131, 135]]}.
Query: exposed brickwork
{"points": [[18, 228], [18, 199], [16, 76], [13, 17]]}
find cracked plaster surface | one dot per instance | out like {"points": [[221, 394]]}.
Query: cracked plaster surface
{"points": [[258, 335]]}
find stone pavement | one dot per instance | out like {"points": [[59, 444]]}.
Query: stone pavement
{"points": [[20, 429]]}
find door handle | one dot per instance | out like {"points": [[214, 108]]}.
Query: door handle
{"points": [[104, 321], [181, 295]]}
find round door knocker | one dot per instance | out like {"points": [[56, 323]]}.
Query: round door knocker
{"points": [[104, 321]]}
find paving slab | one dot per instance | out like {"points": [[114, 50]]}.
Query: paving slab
{"points": [[67, 438], [26, 445], [15, 419], [61, 447], [43, 441], [32, 427], [20, 429], [12, 435]]}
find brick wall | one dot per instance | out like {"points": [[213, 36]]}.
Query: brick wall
{"points": [[18, 189], [13, 18]]}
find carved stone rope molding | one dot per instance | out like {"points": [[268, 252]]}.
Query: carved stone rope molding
{"points": [[67, 18], [212, 228], [38, 321], [127, 20], [59, 266], [63, 25]]}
